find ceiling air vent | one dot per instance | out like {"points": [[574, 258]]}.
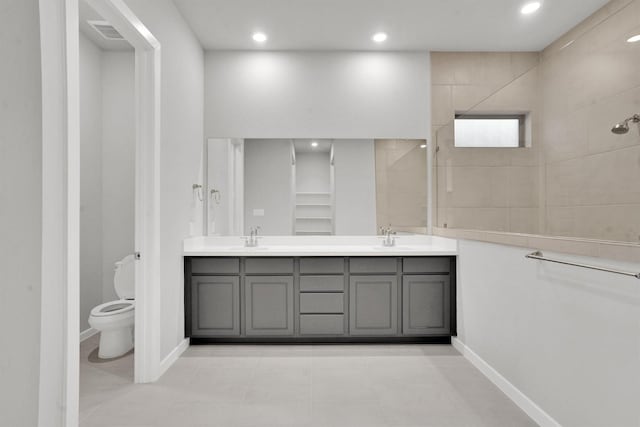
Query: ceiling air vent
{"points": [[106, 30]]}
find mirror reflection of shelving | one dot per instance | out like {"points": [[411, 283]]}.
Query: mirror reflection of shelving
{"points": [[314, 213], [314, 193]]}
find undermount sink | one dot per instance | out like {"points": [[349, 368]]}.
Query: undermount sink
{"points": [[242, 248], [249, 248], [398, 247]]}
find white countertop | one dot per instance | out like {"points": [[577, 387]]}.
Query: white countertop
{"points": [[406, 245]]}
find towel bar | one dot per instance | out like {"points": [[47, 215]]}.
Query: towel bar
{"points": [[540, 256]]}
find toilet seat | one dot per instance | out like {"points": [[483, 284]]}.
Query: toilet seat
{"points": [[113, 308]]}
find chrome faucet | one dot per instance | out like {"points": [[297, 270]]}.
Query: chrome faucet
{"points": [[389, 236], [251, 241]]}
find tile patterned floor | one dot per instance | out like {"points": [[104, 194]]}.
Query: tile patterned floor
{"points": [[297, 385]]}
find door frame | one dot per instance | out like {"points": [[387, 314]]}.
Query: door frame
{"points": [[60, 257], [147, 183]]}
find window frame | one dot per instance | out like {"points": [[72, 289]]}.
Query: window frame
{"points": [[522, 125]]}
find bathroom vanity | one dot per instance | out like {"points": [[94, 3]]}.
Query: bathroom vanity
{"points": [[320, 289]]}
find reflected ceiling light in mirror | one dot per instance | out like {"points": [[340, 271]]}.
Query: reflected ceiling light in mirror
{"points": [[314, 144], [634, 39], [379, 37], [259, 37], [530, 7], [423, 146]]}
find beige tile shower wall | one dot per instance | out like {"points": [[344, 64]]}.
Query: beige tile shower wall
{"points": [[590, 80], [486, 188]]}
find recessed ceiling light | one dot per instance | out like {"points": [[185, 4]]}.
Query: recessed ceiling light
{"points": [[634, 39], [314, 144], [379, 37], [423, 146], [530, 7], [259, 37]]}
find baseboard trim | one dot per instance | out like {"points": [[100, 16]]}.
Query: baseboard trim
{"points": [[172, 357], [323, 340], [87, 333], [518, 397]]}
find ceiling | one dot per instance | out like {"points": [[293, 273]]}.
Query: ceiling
{"points": [[414, 25]]}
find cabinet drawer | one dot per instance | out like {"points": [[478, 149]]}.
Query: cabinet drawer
{"points": [[373, 265], [322, 303], [215, 265], [426, 265], [268, 265], [321, 265], [321, 324], [322, 283]]}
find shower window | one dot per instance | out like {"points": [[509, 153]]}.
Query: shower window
{"points": [[491, 131]]}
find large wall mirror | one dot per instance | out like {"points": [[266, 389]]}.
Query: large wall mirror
{"points": [[315, 186]]}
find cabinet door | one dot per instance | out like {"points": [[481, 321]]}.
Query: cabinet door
{"points": [[373, 305], [425, 302], [269, 305], [215, 305]]}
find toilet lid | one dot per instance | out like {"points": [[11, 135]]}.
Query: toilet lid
{"points": [[124, 278]]}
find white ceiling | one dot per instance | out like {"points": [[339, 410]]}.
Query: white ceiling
{"points": [[447, 25]]}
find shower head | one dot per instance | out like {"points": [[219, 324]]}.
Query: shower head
{"points": [[623, 127]]}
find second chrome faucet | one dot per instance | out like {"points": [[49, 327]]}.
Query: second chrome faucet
{"points": [[251, 241], [389, 236]]}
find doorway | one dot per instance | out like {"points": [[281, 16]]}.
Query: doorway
{"points": [[107, 199], [146, 182]]}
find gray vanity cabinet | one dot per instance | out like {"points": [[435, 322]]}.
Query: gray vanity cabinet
{"points": [[324, 299], [373, 305], [426, 305], [215, 304], [268, 305]]}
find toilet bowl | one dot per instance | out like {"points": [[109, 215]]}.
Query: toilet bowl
{"points": [[114, 320]]}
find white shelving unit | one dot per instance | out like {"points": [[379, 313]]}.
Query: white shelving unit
{"points": [[313, 213]]}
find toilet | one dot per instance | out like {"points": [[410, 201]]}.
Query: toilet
{"points": [[114, 319]]}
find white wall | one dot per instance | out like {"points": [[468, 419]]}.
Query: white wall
{"points": [[267, 180], [312, 172], [118, 163], [355, 186], [20, 211], [90, 178], [317, 95], [182, 101], [566, 337]]}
